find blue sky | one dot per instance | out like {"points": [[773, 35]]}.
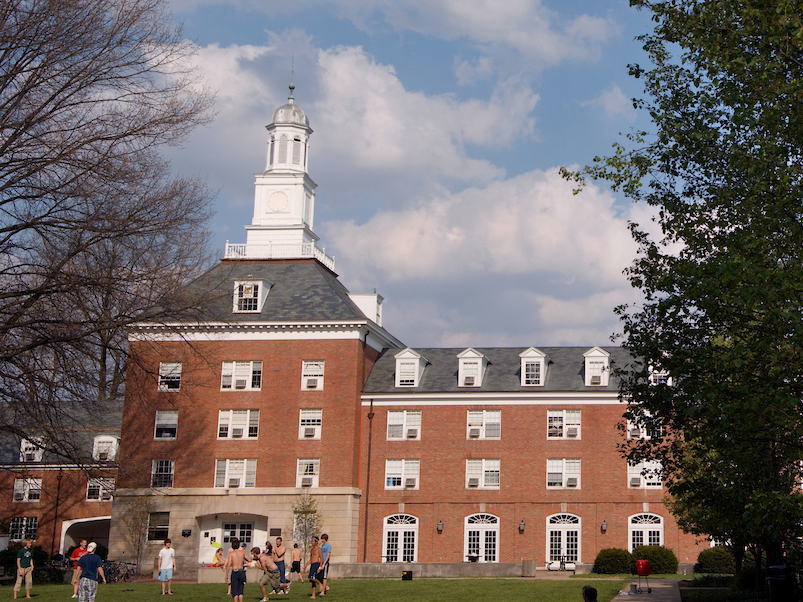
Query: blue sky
{"points": [[439, 127]]}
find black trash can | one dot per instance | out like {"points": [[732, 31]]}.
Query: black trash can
{"points": [[407, 575], [780, 582]]}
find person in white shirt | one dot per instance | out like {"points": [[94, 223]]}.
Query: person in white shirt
{"points": [[167, 564]]}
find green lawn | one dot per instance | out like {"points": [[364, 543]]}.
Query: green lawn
{"points": [[437, 590]]}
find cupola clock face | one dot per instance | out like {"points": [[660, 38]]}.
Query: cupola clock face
{"points": [[278, 201]]}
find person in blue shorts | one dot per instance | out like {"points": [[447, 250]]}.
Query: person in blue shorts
{"points": [[315, 557]]}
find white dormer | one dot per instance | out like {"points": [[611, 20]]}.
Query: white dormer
{"points": [[370, 304], [597, 367], [533, 367], [659, 377], [471, 369], [409, 368], [249, 296], [104, 448], [31, 450]]}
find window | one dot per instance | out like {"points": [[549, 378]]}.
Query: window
{"points": [[644, 475], [104, 448], [242, 531], [169, 376], [166, 425], [471, 368], [409, 367], [241, 376], [399, 537], [308, 471], [644, 426], [99, 489], [563, 424], [402, 474], [158, 526], [482, 474], [533, 367], [235, 474], [562, 472], [597, 367], [404, 424], [660, 377], [484, 424], [310, 422], [162, 473], [238, 424], [645, 530], [27, 490], [31, 451], [22, 527], [563, 533], [312, 375], [248, 297], [481, 538]]}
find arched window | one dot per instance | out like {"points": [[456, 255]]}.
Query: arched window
{"points": [[400, 537], [482, 538], [563, 538], [645, 530]]}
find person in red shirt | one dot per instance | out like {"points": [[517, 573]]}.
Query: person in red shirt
{"points": [[75, 557]]}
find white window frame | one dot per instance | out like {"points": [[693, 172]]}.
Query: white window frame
{"points": [[471, 365], [31, 450], [400, 531], [536, 359], [646, 527], [648, 474], [310, 418], [235, 473], [308, 468], [597, 367], [560, 529], [165, 470], [558, 423], [402, 470], [646, 430], [249, 296], [409, 368], [22, 527], [235, 372], [27, 490], [484, 528], [169, 376], [402, 424], [104, 486], [238, 424], [567, 468], [165, 425], [312, 374], [480, 422], [104, 448], [487, 471]]}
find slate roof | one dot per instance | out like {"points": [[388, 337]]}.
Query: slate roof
{"points": [[301, 290], [503, 374]]}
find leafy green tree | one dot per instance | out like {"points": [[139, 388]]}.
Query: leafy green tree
{"points": [[722, 284]]}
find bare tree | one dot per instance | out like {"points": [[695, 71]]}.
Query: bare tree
{"points": [[306, 522], [136, 516], [96, 232]]}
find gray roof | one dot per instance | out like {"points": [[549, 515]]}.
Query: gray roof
{"points": [[300, 290], [565, 370]]}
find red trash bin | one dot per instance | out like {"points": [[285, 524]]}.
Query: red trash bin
{"points": [[643, 569]]}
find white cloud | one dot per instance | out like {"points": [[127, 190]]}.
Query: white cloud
{"points": [[471, 72], [614, 103]]}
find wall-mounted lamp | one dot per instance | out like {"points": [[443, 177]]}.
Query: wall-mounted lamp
{"points": [[604, 526], [521, 527], [440, 526]]}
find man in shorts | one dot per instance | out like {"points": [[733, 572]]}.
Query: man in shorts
{"points": [[326, 552], [24, 569], [76, 555], [270, 574], [235, 565], [167, 564], [90, 566], [279, 552], [314, 564], [296, 566]]}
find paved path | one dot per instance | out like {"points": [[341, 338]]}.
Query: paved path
{"points": [[663, 590]]}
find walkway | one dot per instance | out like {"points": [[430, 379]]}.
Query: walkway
{"points": [[663, 590]]}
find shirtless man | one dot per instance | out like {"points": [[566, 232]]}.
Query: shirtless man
{"points": [[235, 562], [315, 557], [296, 566], [278, 557], [271, 572]]}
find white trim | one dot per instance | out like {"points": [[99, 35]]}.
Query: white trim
{"points": [[483, 528], [66, 524], [399, 527], [564, 528], [461, 399]]}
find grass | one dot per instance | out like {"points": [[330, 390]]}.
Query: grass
{"points": [[354, 590]]}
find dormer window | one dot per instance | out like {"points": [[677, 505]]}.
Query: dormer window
{"points": [[597, 367], [660, 377], [104, 448], [471, 369], [249, 296], [409, 367], [533, 367], [31, 451]]}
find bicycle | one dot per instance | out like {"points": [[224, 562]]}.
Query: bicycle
{"points": [[116, 572]]}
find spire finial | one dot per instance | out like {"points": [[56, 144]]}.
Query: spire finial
{"points": [[292, 77]]}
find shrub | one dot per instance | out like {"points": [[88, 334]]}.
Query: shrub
{"points": [[662, 560], [717, 560], [612, 561], [50, 574]]}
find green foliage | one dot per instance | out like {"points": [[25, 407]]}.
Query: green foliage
{"points": [[50, 574], [613, 561], [662, 560], [716, 560]]}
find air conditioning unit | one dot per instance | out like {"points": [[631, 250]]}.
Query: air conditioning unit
{"points": [[468, 381], [236, 433], [635, 481], [103, 456], [571, 432], [312, 383], [412, 433], [571, 482], [306, 481], [474, 482], [474, 433], [635, 433], [234, 483], [309, 431], [30, 457], [409, 483], [106, 495], [19, 496], [596, 379], [240, 383]]}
